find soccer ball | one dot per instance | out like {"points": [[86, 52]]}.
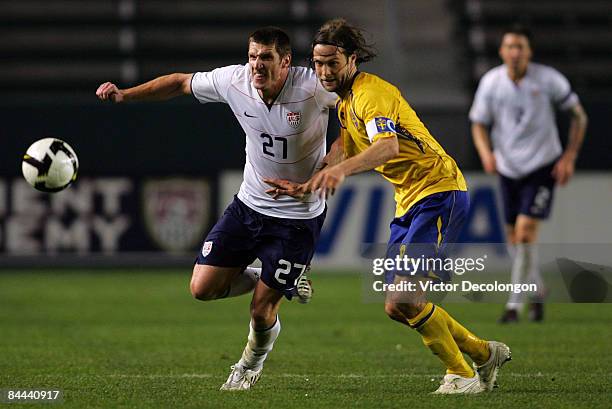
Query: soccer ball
{"points": [[50, 165]]}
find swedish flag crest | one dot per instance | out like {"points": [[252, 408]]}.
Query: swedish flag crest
{"points": [[378, 125], [384, 124]]}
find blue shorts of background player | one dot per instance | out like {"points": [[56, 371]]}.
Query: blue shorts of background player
{"points": [[428, 230], [285, 247], [531, 195]]}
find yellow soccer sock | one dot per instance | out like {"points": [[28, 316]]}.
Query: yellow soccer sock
{"points": [[476, 348], [432, 326]]}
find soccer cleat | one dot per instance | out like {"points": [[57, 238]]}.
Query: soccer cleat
{"points": [[536, 311], [454, 384], [240, 378], [304, 288], [487, 372], [508, 317]]}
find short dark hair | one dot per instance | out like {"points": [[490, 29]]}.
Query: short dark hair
{"points": [[518, 29], [341, 34], [272, 36]]}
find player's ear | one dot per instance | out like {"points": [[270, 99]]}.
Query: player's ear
{"points": [[287, 60]]}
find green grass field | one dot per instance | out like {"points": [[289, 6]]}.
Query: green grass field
{"points": [[138, 340]]}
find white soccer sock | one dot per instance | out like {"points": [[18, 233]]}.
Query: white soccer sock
{"points": [[534, 275], [244, 282], [258, 346], [520, 266]]}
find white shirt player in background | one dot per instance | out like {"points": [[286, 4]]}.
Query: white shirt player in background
{"points": [[284, 113], [515, 133]]}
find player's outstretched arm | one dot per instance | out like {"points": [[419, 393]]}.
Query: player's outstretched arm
{"points": [[329, 179], [564, 168], [480, 136], [159, 89]]}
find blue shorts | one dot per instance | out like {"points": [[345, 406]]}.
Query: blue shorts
{"points": [[426, 231], [532, 195], [284, 246]]}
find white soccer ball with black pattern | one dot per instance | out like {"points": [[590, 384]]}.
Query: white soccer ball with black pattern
{"points": [[50, 165]]}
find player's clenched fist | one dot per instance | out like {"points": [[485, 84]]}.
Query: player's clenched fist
{"points": [[109, 91]]}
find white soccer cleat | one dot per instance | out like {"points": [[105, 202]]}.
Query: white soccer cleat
{"points": [[304, 289], [454, 384], [500, 354], [241, 379]]}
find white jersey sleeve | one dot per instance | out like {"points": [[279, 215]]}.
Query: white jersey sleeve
{"points": [[481, 107], [212, 86], [561, 92]]}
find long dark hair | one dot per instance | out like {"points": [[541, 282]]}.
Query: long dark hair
{"points": [[350, 39]]}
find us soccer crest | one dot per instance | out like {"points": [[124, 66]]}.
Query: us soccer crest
{"points": [[176, 212], [294, 119], [206, 248]]}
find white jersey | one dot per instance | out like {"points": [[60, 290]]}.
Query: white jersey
{"points": [[284, 141], [524, 132]]}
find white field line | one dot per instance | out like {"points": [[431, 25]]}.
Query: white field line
{"points": [[164, 376], [307, 377]]}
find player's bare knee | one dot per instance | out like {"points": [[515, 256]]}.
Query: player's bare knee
{"points": [[526, 230], [207, 284], [201, 292], [410, 309], [525, 235], [262, 316], [393, 312]]}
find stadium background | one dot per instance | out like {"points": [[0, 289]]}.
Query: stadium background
{"points": [[154, 177], [56, 53]]}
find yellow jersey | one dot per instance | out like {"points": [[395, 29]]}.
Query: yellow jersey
{"points": [[374, 109]]}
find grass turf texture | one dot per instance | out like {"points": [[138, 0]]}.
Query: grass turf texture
{"points": [[117, 339]]}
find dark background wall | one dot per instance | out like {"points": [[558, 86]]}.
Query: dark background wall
{"points": [[54, 54], [186, 137]]}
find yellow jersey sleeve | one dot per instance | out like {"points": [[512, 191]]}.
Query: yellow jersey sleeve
{"points": [[379, 111]]}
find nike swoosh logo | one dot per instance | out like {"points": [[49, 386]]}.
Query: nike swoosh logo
{"points": [[250, 116]]}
